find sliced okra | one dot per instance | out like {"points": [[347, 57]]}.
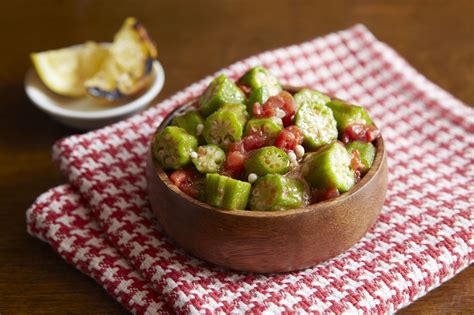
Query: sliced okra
{"points": [[275, 192], [267, 160], [222, 128], [366, 153], [189, 122], [329, 167], [172, 147], [259, 76], [225, 192], [259, 95], [266, 126], [219, 92], [208, 158], [238, 110], [317, 123], [348, 114], [309, 95]]}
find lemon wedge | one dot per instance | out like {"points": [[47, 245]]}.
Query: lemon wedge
{"points": [[128, 67], [65, 70]]}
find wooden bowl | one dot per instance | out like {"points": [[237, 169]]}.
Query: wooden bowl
{"points": [[263, 242]]}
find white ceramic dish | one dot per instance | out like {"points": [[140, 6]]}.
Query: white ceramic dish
{"points": [[86, 113]]}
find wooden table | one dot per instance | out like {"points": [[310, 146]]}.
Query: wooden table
{"points": [[193, 40]]}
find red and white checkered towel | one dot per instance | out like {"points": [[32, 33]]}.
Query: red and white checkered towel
{"points": [[102, 223]]}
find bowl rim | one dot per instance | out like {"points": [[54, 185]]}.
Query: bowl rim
{"points": [[380, 156], [51, 107]]}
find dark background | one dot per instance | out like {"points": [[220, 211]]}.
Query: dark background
{"points": [[194, 39]]}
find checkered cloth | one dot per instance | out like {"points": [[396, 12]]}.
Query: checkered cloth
{"points": [[102, 223]]}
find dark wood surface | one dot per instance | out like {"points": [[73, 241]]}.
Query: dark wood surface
{"points": [[194, 39]]}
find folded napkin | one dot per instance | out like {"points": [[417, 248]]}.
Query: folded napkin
{"points": [[102, 223]]}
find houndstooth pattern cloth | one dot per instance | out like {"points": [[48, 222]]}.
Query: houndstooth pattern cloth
{"points": [[102, 223]]}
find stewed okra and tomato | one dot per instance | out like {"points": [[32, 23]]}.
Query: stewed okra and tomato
{"points": [[253, 145]]}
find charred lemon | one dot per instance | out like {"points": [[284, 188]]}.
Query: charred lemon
{"points": [[128, 68]]}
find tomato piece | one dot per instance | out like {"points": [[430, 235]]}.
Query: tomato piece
{"points": [[356, 164], [282, 106], [320, 195], [289, 138], [184, 180], [257, 110], [234, 164], [255, 140], [245, 88], [360, 132]]}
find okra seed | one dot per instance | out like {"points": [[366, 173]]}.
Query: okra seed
{"points": [[292, 157], [299, 150], [252, 178], [194, 155], [199, 129]]}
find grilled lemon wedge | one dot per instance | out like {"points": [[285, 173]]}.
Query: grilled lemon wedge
{"points": [[128, 67], [65, 70]]}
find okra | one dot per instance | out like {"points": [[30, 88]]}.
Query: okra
{"points": [[275, 192], [329, 167], [219, 92], [189, 122], [208, 158], [317, 123], [259, 95], [225, 192], [258, 77], [238, 110], [268, 127], [172, 147], [366, 153], [348, 114], [267, 160], [222, 128], [309, 95]]}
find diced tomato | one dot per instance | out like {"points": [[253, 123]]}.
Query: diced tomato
{"points": [[289, 138], [236, 146], [255, 140], [320, 195], [184, 179], [245, 88], [234, 164], [356, 164], [257, 110], [330, 193], [360, 132], [281, 105]]}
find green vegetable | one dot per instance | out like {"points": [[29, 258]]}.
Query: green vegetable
{"points": [[267, 126], [225, 192], [208, 158], [189, 122], [221, 90], [308, 95], [317, 124], [329, 167], [172, 147], [258, 77], [275, 192], [366, 153], [259, 95], [225, 125], [267, 160], [347, 114]]}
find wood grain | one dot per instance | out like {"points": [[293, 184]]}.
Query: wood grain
{"points": [[194, 39]]}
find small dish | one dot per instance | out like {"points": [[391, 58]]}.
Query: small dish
{"points": [[86, 113], [261, 241]]}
